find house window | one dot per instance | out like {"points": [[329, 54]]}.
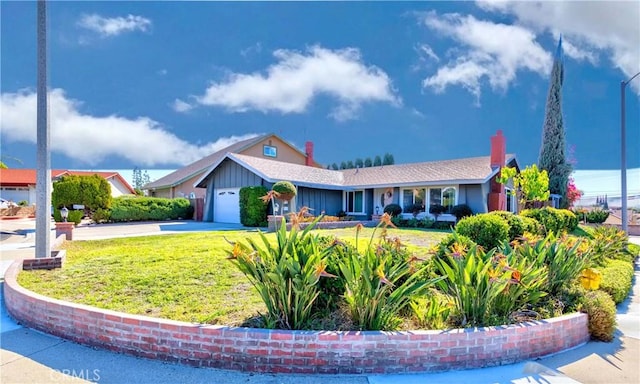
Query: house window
{"points": [[413, 196], [354, 201], [443, 196], [270, 151]]}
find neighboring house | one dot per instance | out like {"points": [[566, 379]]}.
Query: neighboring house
{"points": [[362, 192], [181, 182], [20, 184]]}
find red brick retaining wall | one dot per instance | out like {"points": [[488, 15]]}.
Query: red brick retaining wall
{"points": [[262, 350]]}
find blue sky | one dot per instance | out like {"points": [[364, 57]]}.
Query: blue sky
{"points": [[161, 84]]}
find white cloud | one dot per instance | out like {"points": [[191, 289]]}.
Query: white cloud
{"points": [[181, 106], [253, 49], [290, 85], [424, 50], [612, 27], [91, 139], [489, 51], [114, 26]]}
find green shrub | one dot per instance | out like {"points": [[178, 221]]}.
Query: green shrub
{"points": [[597, 216], [414, 209], [602, 314], [532, 225], [393, 209], [132, 208], [101, 215], [23, 203], [472, 285], [437, 210], [564, 257], [378, 286], [253, 211], [285, 275], [617, 277], [553, 220], [285, 188], [461, 210], [570, 219], [609, 243], [452, 242], [432, 310], [486, 230], [91, 191], [515, 222]]}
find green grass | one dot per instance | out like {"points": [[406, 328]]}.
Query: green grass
{"points": [[183, 277]]}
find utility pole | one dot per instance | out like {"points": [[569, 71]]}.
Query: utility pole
{"points": [[43, 174]]}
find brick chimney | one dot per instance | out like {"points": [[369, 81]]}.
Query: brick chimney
{"points": [[308, 149], [498, 150], [497, 198]]}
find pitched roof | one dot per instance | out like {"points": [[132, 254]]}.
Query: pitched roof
{"points": [[460, 171], [273, 170], [25, 177], [17, 177], [185, 173]]}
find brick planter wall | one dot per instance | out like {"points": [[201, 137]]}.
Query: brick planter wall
{"points": [[261, 350]]}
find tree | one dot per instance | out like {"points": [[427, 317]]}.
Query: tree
{"points": [[94, 192], [3, 165], [552, 152], [343, 165], [388, 159], [350, 164], [377, 161], [573, 193], [359, 163], [531, 184], [368, 162], [334, 166]]}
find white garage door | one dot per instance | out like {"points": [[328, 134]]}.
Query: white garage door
{"points": [[226, 205]]}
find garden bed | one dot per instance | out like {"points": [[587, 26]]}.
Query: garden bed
{"points": [[261, 350]]}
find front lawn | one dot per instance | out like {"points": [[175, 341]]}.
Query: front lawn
{"points": [[183, 277]]}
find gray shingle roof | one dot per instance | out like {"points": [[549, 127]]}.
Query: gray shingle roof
{"points": [[273, 170], [183, 174], [459, 171]]}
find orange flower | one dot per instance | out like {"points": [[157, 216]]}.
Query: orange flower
{"points": [[269, 196], [382, 277], [385, 220], [321, 272], [515, 277], [237, 251], [359, 227], [494, 274]]}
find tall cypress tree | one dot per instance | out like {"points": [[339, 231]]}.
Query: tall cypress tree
{"points": [[552, 152]]}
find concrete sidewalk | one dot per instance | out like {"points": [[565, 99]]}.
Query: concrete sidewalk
{"points": [[28, 356]]}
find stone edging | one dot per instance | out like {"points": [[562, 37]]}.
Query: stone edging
{"points": [[261, 350]]}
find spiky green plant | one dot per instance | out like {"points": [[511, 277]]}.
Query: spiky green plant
{"points": [[285, 274]]}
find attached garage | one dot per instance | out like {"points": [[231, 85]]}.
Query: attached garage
{"points": [[226, 207], [17, 194]]}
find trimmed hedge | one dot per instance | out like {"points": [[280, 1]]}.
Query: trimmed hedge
{"points": [[602, 314], [597, 216], [553, 220], [91, 191], [253, 211], [515, 222], [486, 230], [150, 208], [393, 210], [461, 210], [616, 280]]}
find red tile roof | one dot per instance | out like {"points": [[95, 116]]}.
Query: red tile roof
{"points": [[16, 177]]}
